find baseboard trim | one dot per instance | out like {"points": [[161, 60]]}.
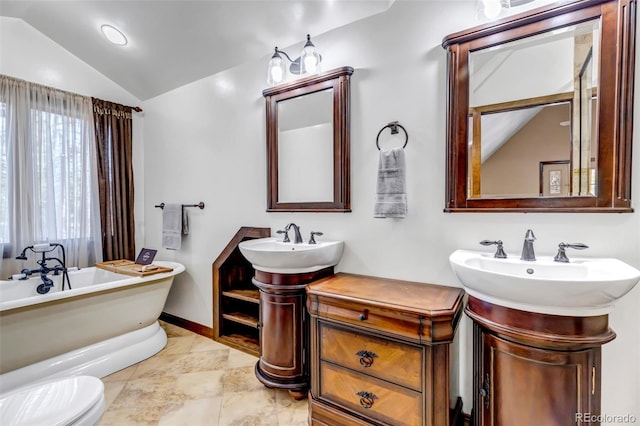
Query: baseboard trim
{"points": [[187, 325]]}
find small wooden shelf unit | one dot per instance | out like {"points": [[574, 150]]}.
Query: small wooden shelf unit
{"points": [[236, 301]]}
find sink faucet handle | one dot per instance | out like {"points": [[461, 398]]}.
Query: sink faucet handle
{"points": [[286, 235], [529, 235], [577, 246], [500, 254], [312, 240], [561, 256]]}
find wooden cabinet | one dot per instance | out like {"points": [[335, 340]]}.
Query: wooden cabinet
{"points": [[284, 330], [236, 301], [380, 351], [535, 369]]}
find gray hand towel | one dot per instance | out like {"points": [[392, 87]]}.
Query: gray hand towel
{"points": [[185, 222], [391, 192], [172, 226]]}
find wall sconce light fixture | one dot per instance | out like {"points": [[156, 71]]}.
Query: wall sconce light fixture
{"points": [[491, 8], [307, 63]]}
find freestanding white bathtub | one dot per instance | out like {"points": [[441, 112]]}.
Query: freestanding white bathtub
{"points": [[106, 322]]}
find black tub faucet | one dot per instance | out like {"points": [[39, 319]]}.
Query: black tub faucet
{"points": [[44, 269]]}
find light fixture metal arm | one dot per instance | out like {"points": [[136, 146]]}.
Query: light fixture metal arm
{"points": [[285, 54]]}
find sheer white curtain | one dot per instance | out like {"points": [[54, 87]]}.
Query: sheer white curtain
{"points": [[48, 172]]}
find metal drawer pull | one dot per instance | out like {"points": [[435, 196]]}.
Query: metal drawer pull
{"points": [[366, 358], [364, 315], [366, 398]]}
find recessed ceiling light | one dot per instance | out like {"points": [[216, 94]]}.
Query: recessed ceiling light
{"points": [[113, 34]]}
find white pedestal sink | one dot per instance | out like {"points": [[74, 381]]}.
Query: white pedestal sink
{"points": [[271, 255], [583, 287], [282, 272]]}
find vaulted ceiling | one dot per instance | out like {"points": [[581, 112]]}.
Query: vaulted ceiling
{"points": [[175, 42]]}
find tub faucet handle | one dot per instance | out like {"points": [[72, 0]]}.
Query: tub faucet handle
{"points": [[500, 254]]}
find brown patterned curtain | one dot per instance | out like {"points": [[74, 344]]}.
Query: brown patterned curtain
{"points": [[115, 178]]}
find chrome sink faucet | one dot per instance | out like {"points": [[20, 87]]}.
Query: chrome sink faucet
{"points": [[297, 237], [527, 249]]}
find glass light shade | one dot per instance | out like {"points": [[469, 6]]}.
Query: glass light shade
{"points": [[309, 58], [276, 70], [310, 63], [491, 8]]}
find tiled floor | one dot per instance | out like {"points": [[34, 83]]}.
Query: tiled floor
{"points": [[195, 381]]}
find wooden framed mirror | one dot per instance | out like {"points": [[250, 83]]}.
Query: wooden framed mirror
{"points": [[540, 110], [308, 145]]}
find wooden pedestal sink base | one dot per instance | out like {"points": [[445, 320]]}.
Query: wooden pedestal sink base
{"points": [[521, 358], [284, 330], [298, 392]]}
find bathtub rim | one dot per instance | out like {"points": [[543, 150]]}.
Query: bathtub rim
{"points": [[124, 280]]}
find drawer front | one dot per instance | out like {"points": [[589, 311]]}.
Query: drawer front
{"points": [[322, 414], [389, 321], [369, 396], [385, 359]]}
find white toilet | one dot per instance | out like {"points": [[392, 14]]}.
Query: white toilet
{"points": [[68, 401]]}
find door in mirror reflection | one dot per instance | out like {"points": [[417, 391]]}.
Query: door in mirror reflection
{"points": [[305, 148], [532, 127]]}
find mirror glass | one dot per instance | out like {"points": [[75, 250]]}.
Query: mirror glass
{"points": [[308, 146], [540, 108], [519, 130], [305, 148]]}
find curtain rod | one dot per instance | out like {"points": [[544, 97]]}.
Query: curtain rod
{"points": [[136, 109]]}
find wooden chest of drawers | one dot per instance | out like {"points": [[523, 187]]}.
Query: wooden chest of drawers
{"points": [[380, 351]]}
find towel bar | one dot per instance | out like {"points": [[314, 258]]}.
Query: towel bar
{"points": [[200, 205]]}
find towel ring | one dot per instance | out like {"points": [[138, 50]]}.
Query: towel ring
{"points": [[394, 130]]}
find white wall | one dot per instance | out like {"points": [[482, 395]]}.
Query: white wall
{"points": [[27, 54], [206, 141]]}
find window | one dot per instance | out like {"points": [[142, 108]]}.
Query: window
{"points": [[48, 173], [60, 169]]}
